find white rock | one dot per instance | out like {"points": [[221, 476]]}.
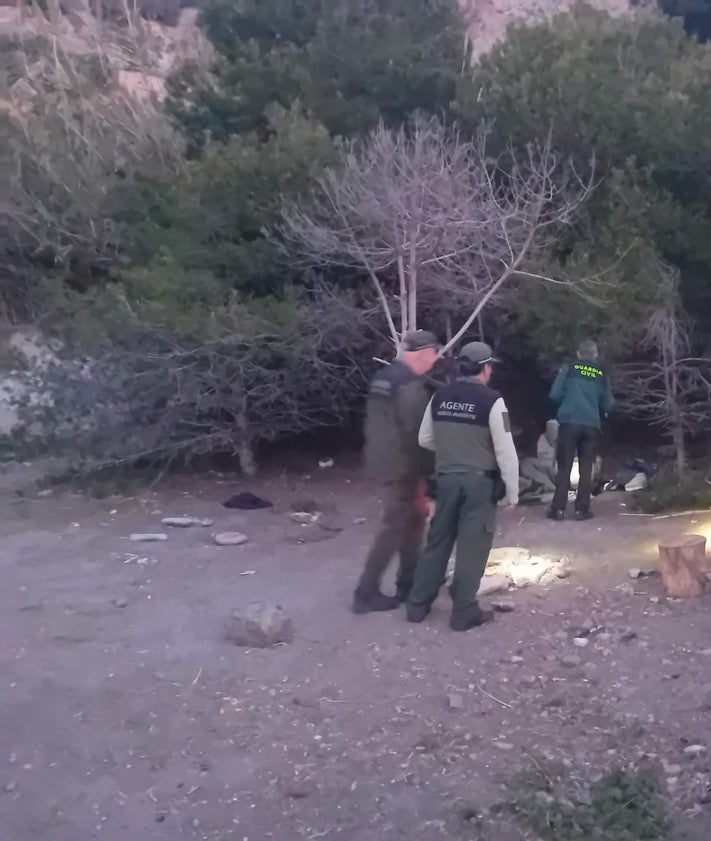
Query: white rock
{"points": [[509, 556], [695, 750], [305, 518], [147, 538], [185, 522], [230, 538], [259, 625], [493, 584], [581, 642], [634, 572], [503, 746]]}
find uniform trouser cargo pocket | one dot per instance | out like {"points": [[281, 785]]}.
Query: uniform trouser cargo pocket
{"points": [[465, 515]]}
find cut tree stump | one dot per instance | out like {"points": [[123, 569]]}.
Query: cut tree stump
{"points": [[683, 562]]}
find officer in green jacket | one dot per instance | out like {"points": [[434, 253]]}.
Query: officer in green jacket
{"points": [[582, 395], [398, 397], [467, 426]]}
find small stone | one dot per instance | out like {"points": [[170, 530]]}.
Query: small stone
{"points": [[626, 589], [119, 602], [260, 625], [581, 642], [628, 636], [570, 661], [695, 750], [635, 572], [45, 493], [304, 518], [516, 659], [185, 522], [504, 606], [455, 701], [325, 463], [298, 789], [11, 786], [230, 538], [358, 521], [505, 746], [307, 701], [654, 599], [147, 538], [672, 770]]}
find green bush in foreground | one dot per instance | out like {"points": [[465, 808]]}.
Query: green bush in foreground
{"points": [[623, 806]]}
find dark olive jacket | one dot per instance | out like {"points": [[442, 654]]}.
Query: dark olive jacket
{"points": [[396, 405]]}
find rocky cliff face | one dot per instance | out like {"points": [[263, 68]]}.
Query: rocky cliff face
{"points": [[488, 19]]}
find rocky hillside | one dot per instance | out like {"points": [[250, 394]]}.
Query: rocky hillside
{"points": [[489, 19], [142, 53]]}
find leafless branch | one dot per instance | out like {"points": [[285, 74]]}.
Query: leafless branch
{"points": [[431, 219], [668, 386]]}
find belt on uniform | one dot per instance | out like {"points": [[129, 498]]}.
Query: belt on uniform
{"points": [[487, 474]]}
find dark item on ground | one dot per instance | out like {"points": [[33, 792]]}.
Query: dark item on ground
{"points": [[553, 514], [628, 471], [682, 561], [247, 501], [581, 516]]}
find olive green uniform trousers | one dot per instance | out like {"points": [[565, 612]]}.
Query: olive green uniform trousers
{"points": [[465, 515], [401, 532]]}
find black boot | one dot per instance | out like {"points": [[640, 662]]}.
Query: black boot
{"points": [[374, 603], [581, 516], [555, 514], [417, 612], [473, 618]]}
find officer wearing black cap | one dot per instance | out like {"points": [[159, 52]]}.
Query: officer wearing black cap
{"points": [[467, 426], [399, 395]]}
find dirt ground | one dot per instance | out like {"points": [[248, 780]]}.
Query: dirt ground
{"points": [[124, 714]]}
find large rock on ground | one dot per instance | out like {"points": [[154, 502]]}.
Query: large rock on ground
{"points": [[259, 625]]}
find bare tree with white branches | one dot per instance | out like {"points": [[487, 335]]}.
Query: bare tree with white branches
{"points": [[429, 217], [668, 387]]}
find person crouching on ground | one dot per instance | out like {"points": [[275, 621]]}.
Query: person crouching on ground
{"points": [[396, 402], [583, 398], [467, 426]]}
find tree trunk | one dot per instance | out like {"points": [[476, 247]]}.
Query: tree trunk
{"points": [[683, 561], [679, 442], [247, 461]]}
